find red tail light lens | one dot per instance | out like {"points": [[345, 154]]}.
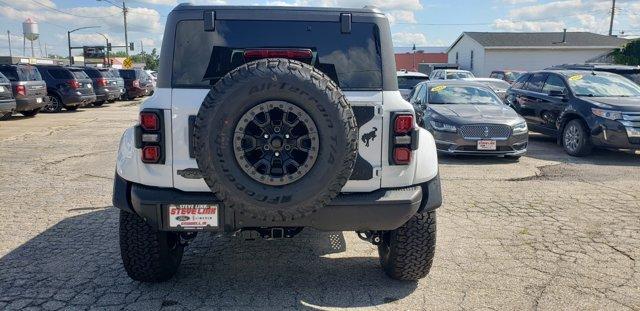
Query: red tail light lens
{"points": [[21, 90], [74, 84], [136, 83], [402, 155], [102, 82], [150, 154], [149, 121], [403, 124], [278, 53]]}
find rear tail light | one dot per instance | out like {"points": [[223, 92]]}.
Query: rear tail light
{"points": [[404, 138], [149, 121], [74, 84], [149, 136], [21, 90], [136, 83], [102, 82], [150, 154], [303, 54], [402, 155]]}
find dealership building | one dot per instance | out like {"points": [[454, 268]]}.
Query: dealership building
{"points": [[483, 52]]}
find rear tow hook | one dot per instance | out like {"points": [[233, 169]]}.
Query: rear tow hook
{"points": [[373, 237]]}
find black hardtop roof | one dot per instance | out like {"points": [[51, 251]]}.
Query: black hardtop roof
{"points": [[253, 8]]}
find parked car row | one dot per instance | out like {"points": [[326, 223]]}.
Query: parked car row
{"points": [[29, 89], [583, 106]]}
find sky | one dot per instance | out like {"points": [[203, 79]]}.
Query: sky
{"points": [[419, 22]]}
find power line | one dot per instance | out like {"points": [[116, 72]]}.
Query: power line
{"points": [[558, 18], [72, 14]]}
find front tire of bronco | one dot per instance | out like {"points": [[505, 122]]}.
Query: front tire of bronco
{"points": [[406, 253], [148, 255]]}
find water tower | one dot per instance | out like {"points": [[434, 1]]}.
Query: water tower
{"points": [[31, 33]]}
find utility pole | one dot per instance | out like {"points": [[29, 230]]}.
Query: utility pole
{"points": [[141, 46], [9, 38], [613, 13], [124, 13]]}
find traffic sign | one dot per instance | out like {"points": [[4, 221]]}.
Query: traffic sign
{"points": [[127, 63]]}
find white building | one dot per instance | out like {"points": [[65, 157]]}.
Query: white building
{"points": [[483, 52]]}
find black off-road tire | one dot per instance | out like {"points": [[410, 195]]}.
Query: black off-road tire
{"points": [[30, 113], [407, 253], [148, 255], [256, 83], [5, 116], [584, 146]]}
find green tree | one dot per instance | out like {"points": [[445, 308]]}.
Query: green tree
{"points": [[150, 61], [628, 54]]}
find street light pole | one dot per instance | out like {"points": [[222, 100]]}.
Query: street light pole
{"points": [[69, 40], [10, 51]]}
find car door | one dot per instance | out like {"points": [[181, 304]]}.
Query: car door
{"points": [[530, 99], [552, 106]]}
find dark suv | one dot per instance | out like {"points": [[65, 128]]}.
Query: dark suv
{"points": [[582, 109], [67, 87], [29, 90], [116, 75], [133, 82], [105, 85], [7, 102], [630, 72]]}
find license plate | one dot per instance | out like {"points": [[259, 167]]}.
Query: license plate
{"points": [[193, 216], [38, 100], [487, 145]]}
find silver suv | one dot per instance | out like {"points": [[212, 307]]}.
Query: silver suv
{"points": [[267, 120]]}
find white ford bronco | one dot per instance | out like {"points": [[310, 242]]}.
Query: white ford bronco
{"points": [[267, 120]]}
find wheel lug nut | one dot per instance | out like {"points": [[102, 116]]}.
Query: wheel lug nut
{"points": [[266, 147], [277, 154], [286, 135], [266, 135]]}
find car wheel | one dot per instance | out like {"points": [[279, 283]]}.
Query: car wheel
{"points": [[576, 139], [54, 105], [98, 103], [30, 113], [279, 153], [407, 253], [5, 116], [148, 255]]}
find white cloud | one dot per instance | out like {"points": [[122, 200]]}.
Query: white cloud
{"points": [[555, 8], [510, 25], [409, 39], [402, 17]]}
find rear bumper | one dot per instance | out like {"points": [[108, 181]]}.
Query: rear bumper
{"points": [[384, 209], [106, 94], [25, 104], [7, 105], [135, 92], [79, 100]]}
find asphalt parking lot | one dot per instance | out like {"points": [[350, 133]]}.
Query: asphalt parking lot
{"points": [[548, 232]]}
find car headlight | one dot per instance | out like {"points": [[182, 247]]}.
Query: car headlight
{"points": [[607, 114], [520, 128], [443, 127]]}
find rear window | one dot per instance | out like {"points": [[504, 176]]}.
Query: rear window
{"points": [[10, 73], [106, 73], [408, 82], [3, 79], [93, 73], [351, 60], [128, 74], [59, 73], [79, 74]]}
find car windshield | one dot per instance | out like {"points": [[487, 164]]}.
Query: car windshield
{"points": [[408, 82], [457, 94], [512, 76], [453, 75], [602, 85], [635, 77]]}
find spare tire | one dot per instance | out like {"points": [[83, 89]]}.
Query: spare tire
{"points": [[275, 139]]}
